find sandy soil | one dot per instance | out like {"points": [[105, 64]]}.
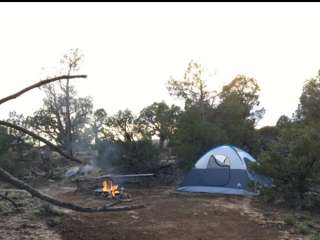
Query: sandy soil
{"points": [[26, 223], [170, 215]]}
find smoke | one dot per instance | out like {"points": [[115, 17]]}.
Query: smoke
{"points": [[108, 155]]}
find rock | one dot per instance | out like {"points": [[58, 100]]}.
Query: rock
{"points": [[135, 217], [73, 171]]}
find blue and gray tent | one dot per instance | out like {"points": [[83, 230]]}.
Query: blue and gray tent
{"points": [[223, 169]]}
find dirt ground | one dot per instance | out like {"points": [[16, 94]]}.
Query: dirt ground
{"points": [[167, 215], [170, 215]]}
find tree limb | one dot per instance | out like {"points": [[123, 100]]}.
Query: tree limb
{"points": [[20, 184], [40, 83], [41, 139]]}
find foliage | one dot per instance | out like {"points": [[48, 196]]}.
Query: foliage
{"points": [[192, 88], [203, 124], [245, 91], [290, 220], [309, 107], [293, 163], [159, 119], [139, 156], [98, 121], [193, 137], [13, 157], [292, 156], [128, 157], [315, 236], [22, 121], [231, 116], [122, 126], [265, 137], [63, 116]]}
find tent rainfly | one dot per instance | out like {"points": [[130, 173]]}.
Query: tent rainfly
{"points": [[223, 169]]}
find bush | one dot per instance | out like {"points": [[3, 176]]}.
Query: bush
{"points": [[13, 157], [292, 162], [302, 228], [316, 236], [194, 137], [129, 157], [290, 220]]}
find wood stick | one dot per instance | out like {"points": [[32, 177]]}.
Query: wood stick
{"points": [[124, 176]]}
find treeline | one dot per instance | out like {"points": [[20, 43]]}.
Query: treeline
{"points": [[288, 152]]}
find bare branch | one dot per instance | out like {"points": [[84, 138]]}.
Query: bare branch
{"points": [[40, 83], [41, 139], [20, 184]]}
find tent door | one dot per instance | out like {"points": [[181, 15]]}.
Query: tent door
{"points": [[217, 172]]}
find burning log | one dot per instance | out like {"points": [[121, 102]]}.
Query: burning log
{"points": [[112, 190]]}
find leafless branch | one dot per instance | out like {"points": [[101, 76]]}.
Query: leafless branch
{"points": [[40, 83]]}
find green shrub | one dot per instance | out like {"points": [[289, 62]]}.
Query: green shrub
{"points": [[302, 228], [315, 236], [129, 157], [290, 220], [293, 164]]}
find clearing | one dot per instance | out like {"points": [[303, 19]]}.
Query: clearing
{"points": [[170, 215]]}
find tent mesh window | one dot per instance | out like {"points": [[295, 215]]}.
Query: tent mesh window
{"points": [[218, 161]]}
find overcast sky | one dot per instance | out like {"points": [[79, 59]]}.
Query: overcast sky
{"points": [[132, 49]]}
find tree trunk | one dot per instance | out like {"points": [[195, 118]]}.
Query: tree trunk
{"points": [[68, 119], [161, 142]]}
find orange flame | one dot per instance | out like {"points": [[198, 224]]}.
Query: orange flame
{"points": [[109, 187]]}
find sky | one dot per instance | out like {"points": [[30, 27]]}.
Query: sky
{"points": [[132, 49]]}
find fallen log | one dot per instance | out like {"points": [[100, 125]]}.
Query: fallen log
{"points": [[22, 185]]}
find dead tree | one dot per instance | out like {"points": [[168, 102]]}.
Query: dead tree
{"points": [[6, 176]]}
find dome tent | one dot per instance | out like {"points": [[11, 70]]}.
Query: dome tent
{"points": [[223, 169]]}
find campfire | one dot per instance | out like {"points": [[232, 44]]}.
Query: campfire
{"points": [[108, 187]]}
